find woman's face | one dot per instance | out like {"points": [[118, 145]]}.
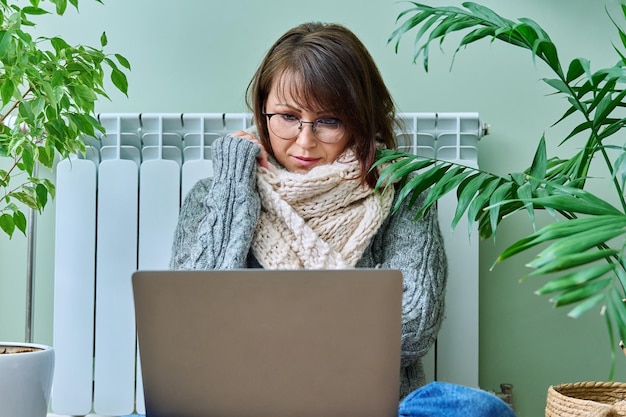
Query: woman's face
{"points": [[304, 151]]}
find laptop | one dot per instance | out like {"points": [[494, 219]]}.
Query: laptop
{"points": [[269, 343]]}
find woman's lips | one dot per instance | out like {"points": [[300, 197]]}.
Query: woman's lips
{"points": [[305, 161]]}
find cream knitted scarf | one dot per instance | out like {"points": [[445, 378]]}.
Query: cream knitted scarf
{"points": [[323, 219]]}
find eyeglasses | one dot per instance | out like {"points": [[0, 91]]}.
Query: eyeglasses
{"points": [[286, 126]]}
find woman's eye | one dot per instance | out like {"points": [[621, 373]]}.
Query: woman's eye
{"points": [[328, 122], [288, 117]]}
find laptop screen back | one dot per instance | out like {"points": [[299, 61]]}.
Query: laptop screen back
{"points": [[269, 343]]}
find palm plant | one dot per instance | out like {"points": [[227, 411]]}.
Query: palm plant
{"points": [[583, 249], [48, 91]]}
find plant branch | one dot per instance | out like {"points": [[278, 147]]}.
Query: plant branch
{"points": [[6, 177], [15, 104]]}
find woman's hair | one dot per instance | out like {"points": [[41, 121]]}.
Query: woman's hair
{"points": [[335, 72]]}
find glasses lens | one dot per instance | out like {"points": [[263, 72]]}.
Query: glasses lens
{"points": [[284, 126], [329, 130], [288, 127]]}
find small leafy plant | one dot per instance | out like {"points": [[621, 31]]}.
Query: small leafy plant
{"points": [[584, 246], [48, 90]]}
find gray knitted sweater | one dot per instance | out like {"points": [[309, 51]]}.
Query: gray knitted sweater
{"points": [[217, 223]]}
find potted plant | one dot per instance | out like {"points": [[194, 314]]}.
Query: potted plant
{"points": [[48, 90], [582, 251]]}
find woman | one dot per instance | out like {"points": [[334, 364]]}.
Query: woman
{"points": [[297, 191]]}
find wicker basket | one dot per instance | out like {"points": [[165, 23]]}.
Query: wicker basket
{"points": [[587, 399]]}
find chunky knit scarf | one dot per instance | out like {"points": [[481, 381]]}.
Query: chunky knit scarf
{"points": [[323, 219]]}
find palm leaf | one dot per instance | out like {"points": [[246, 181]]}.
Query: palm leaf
{"points": [[447, 183], [466, 192], [577, 248], [586, 305], [562, 229], [574, 260], [581, 292], [574, 279]]}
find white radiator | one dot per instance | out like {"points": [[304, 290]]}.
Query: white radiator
{"points": [[116, 210]]}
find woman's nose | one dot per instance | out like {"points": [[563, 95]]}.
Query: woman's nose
{"points": [[306, 136]]}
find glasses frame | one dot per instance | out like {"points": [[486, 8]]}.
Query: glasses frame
{"points": [[302, 122]]}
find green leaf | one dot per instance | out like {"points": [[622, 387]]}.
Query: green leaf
{"points": [[578, 129], [466, 192], [487, 14], [524, 193], [496, 198], [59, 44], [26, 112], [611, 128], [541, 34], [119, 80], [45, 157], [7, 224], [401, 169], [609, 328], [410, 23], [26, 197], [34, 10], [84, 96], [558, 85], [580, 293], [5, 42], [103, 39], [606, 106], [28, 160], [576, 243], [570, 261], [42, 195], [61, 6], [123, 61], [539, 165], [83, 124], [617, 305], [573, 204], [19, 220], [561, 229], [480, 201], [50, 186], [6, 91], [420, 183], [476, 35], [601, 94], [586, 305], [447, 183], [576, 69], [573, 279], [547, 51]]}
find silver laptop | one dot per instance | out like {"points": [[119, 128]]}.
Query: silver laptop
{"points": [[261, 343]]}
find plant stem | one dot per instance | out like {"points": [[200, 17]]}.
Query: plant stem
{"points": [[15, 104]]}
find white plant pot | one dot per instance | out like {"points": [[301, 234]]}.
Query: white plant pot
{"points": [[25, 380]]}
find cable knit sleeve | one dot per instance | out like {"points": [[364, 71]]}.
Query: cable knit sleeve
{"points": [[219, 215], [416, 248]]}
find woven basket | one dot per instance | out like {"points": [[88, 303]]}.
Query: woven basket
{"points": [[587, 399]]}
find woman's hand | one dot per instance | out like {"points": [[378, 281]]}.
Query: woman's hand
{"points": [[262, 159]]}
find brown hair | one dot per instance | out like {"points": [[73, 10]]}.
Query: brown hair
{"points": [[336, 72]]}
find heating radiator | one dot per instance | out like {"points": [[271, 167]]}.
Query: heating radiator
{"points": [[116, 211]]}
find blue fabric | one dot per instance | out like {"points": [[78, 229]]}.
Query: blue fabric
{"points": [[441, 399], [450, 400]]}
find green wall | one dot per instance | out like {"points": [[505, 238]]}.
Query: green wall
{"points": [[198, 56]]}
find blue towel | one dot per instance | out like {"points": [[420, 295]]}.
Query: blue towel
{"points": [[450, 400]]}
